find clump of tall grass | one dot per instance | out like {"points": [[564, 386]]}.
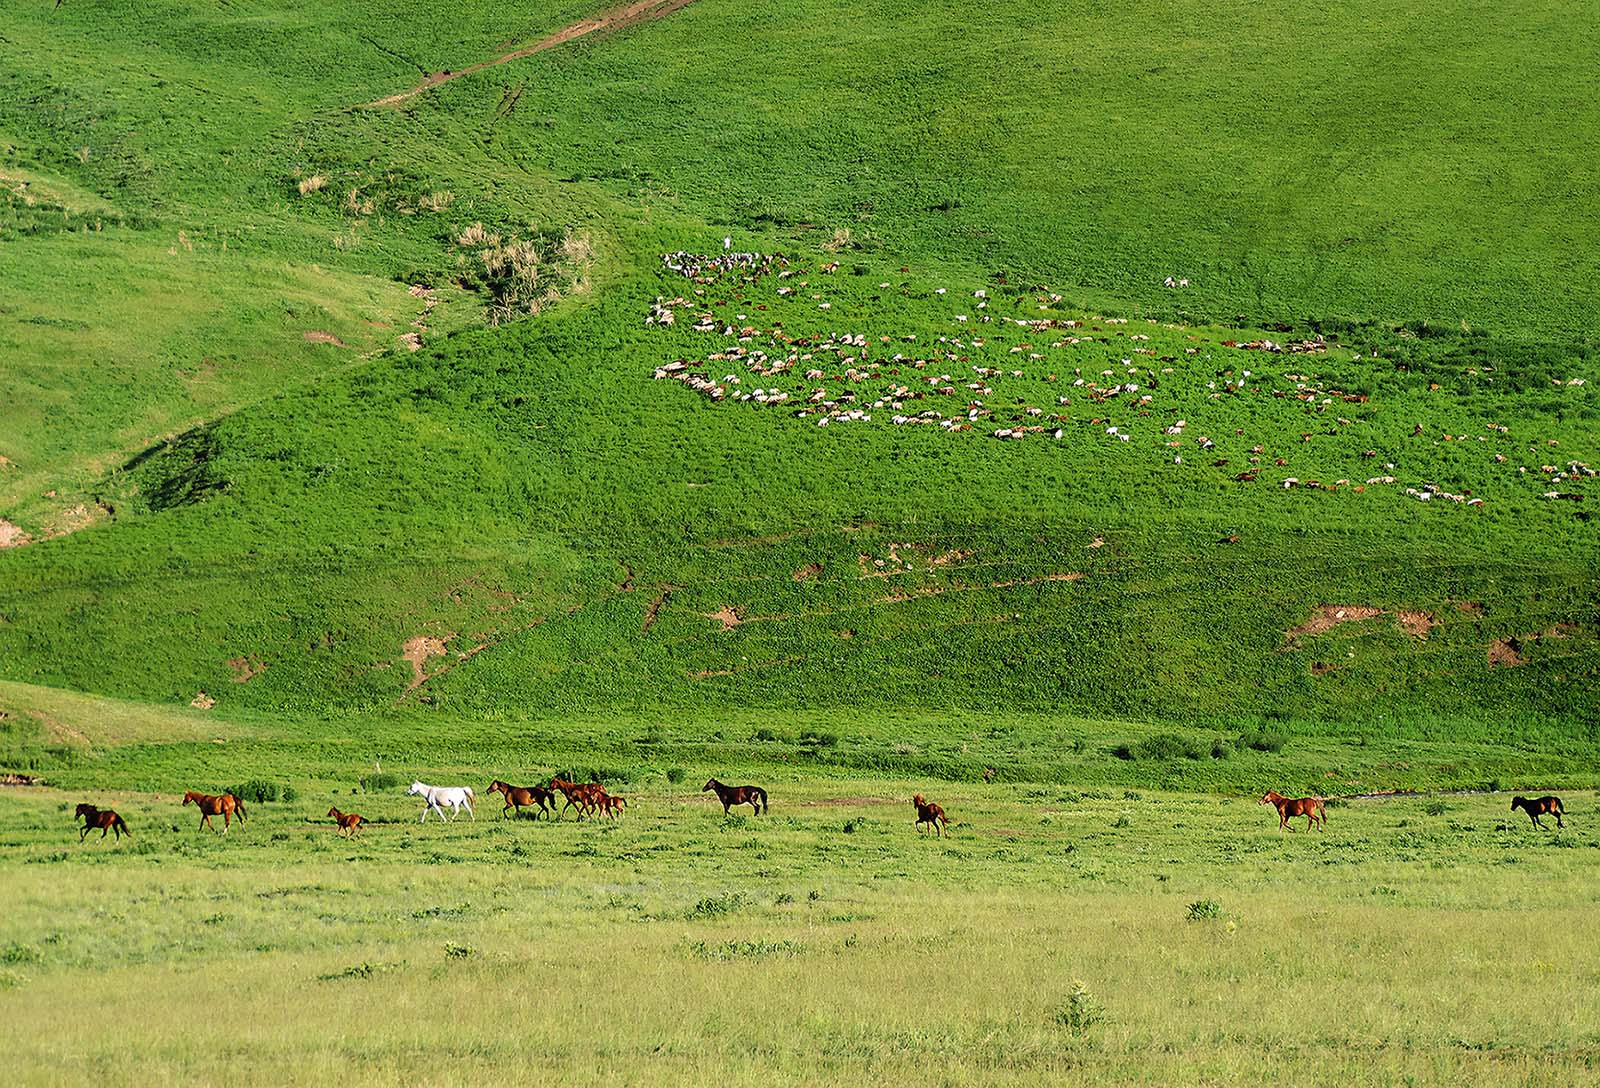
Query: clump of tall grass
{"points": [[1081, 1011], [311, 184], [522, 275]]}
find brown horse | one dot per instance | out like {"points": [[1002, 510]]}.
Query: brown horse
{"points": [[520, 797], [1540, 806], [224, 805], [613, 805], [585, 798], [349, 823], [929, 813], [1309, 807], [754, 796], [104, 819]]}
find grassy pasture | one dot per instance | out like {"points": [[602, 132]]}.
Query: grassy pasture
{"points": [[272, 543], [821, 944]]}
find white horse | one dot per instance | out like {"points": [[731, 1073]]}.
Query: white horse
{"points": [[454, 796]]}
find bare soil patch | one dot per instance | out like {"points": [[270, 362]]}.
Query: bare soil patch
{"points": [[810, 570], [1328, 616], [245, 669], [652, 613], [18, 780], [1506, 653], [1416, 623], [727, 616], [202, 701], [316, 336], [417, 650], [12, 536]]}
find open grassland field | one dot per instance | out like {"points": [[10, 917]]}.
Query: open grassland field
{"points": [[1078, 936], [1089, 416]]}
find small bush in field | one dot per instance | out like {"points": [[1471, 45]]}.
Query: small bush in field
{"points": [[1081, 1011]]}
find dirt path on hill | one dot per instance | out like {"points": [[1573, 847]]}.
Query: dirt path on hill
{"points": [[617, 18]]}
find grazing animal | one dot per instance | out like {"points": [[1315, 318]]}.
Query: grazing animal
{"points": [[349, 823], [104, 819], [1539, 806], [586, 798], [929, 813], [614, 806], [1309, 807], [754, 796], [438, 796], [520, 797], [224, 805]]}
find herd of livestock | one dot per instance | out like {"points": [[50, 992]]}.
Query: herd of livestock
{"points": [[592, 799]]}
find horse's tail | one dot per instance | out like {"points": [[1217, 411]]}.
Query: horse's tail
{"points": [[472, 798], [761, 793], [121, 825]]}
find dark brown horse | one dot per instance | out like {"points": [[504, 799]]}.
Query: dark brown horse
{"points": [[754, 796], [224, 805], [1309, 807], [929, 813], [349, 823], [1539, 806], [520, 797], [104, 819]]}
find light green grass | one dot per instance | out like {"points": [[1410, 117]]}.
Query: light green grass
{"points": [[676, 943]]}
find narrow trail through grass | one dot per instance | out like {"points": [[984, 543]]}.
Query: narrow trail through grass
{"points": [[618, 18]]}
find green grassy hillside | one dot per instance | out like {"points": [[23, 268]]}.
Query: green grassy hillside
{"points": [[238, 481]]}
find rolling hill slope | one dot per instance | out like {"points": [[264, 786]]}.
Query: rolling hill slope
{"points": [[529, 515]]}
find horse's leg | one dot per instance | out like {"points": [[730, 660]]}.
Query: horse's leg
{"points": [[85, 833]]}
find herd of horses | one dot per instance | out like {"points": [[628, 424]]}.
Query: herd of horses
{"points": [[591, 799], [1316, 816]]}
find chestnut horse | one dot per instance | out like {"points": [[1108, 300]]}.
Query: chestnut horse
{"points": [[104, 819], [1309, 807], [586, 798], [224, 805], [349, 823], [519, 797], [613, 805], [1540, 806], [929, 813], [754, 796]]}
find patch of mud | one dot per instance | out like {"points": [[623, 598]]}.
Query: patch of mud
{"points": [[1510, 652], [652, 613], [617, 18], [316, 336], [1416, 623], [202, 701], [245, 669], [12, 536], [1506, 653], [727, 616], [810, 570], [417, 650], [1328, 616]]}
